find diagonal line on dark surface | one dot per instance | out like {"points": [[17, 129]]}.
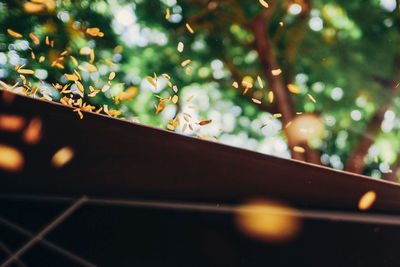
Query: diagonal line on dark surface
{"points": [[69, 211], [332, 215], [47, 243], [9, 252]]}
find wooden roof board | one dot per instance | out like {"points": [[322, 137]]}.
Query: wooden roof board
{"points": [[116, 158]]}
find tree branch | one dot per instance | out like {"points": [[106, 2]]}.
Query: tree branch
{"points": [[268, 60], [296, 35], [355, 162]]}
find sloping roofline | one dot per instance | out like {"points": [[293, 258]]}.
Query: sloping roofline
{"points": [[117, 158]]}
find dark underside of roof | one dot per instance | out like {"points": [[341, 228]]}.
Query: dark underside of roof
{"points": [[147, 198]]}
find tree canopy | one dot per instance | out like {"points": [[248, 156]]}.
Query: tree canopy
{"points": [[313, 80]]}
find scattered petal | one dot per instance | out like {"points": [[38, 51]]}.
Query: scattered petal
{"points": [[111, 76], [175, 99], [270, 96], [11, 159], [293, 88], [14, 34], [11, 123], [260, 82], [276, 72], [62, 157], [85, 50], [80, 86], [312, 98], [205, 122], [160, 107], [367, 200], [25, 71], [184, 63], [299, 149], [180, 47], [34, 38], [189, 28], [91, 67], [71, 77], [263, 3], [150, 79], [93, 31], [189, 98]]}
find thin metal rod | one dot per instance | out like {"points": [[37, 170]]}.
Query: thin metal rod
{"points": [[9, 252], [47, 244], [302, 213], [45, 231], [347, 216]]}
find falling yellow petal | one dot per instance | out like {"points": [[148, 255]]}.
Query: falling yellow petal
{"points": [[204, 122], [14, 34], [180, 47], [62, 157], [90, 67], [293, 88], [93, 31], [150, 79], [11, 123], [260, 83], [256, 101], [263, 3], [268, 221], [111, 76], [33, 132], [25, 71], [367, 200], [71, 77], [312, 98], [175, 99], [160, 107], [276, 72], [11, 159], [189, 28], [85, 50], [184, 63], [34, 38], [270, 96], [299, 149], [80, 86], [167, 14], [129, 93]]}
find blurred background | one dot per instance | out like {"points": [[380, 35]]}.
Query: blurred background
{"points": [[312, 80]]}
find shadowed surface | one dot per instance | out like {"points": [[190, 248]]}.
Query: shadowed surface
{"points": [[118, 159]]}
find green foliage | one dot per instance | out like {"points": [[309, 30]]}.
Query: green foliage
{"points": [[355, 49]]}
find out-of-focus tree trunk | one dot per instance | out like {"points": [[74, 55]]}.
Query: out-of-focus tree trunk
{"points": [[283, 99], [356, 162]]}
